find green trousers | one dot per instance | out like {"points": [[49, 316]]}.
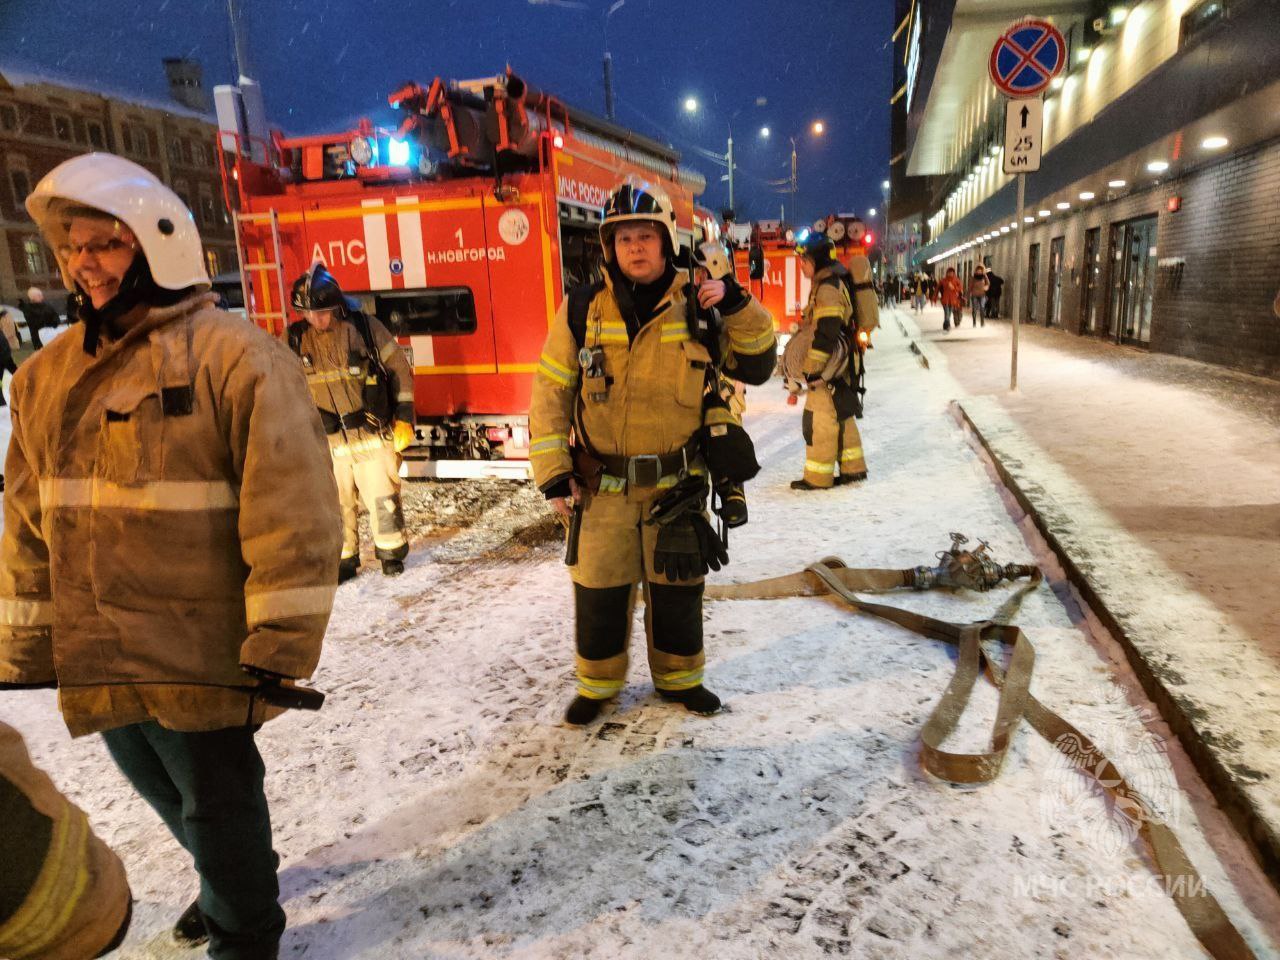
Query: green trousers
{"points": [[207, 788]]}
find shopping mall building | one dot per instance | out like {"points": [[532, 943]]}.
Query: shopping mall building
{"points": [[1154, 219]]}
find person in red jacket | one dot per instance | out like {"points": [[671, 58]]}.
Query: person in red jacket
{"points": [[952, 299]]}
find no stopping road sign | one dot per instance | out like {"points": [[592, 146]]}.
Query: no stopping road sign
{"points": [[1028, 55]]}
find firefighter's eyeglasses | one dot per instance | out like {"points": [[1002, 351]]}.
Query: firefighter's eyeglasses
{"points": [[97, 248]]}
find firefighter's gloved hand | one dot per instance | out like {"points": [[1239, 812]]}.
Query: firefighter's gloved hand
{"points": [[401, 435], [42, 685]]}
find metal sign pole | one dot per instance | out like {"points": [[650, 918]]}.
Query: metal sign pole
{"points": [[1017, 278]]}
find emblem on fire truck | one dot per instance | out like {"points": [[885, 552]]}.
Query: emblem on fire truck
{"points": [[513, 227]]}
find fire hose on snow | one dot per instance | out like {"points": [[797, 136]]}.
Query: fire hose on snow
{"points": [[974, 569]]}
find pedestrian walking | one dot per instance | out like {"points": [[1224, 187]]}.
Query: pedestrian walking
{"points": [[933, 290], [619, 402], [9, 343], [836, 318], [995, 287], [952, 293], [170, 526], [362, 384], [978, 295], [919, 288], [39, 315]]}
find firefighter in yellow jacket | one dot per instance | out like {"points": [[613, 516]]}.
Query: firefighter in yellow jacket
{"points": [[837, 321], [170, 523], [617, 408], [362, 385], [64, 895]]}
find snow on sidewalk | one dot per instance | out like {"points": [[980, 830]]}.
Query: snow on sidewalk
{"points": [[1161, 485], [436, 808]]}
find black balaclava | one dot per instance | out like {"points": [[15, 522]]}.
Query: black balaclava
{"points": [[136, 287]]}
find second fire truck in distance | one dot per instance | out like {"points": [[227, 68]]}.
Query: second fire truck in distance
{"points": [[461, 227], [767, 260]]}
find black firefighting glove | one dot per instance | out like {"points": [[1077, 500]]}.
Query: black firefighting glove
{"points": [[687, 547], [687, 544], [732, 506], [42, 685]]}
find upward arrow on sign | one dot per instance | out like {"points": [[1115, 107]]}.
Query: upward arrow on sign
{"points": [[1025, 113]]}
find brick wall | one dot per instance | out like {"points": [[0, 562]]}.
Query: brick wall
{"points": [[1216, 307]]}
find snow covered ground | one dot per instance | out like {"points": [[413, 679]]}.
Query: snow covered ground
{"points": [[437, 808]]}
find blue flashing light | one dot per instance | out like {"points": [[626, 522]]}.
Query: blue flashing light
{"points": [[397, 153]]}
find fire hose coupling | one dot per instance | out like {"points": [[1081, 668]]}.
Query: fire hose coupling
{"points": [[960, 568]]}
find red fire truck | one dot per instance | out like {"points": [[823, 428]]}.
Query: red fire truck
{"points": [[769, 261], [460, 227]]}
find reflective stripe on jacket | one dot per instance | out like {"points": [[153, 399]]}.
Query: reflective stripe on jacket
{"points": [[337, 367], [653, 404], [170, 515]]}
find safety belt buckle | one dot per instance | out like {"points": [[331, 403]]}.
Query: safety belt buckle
{"points": [[644, 470]]}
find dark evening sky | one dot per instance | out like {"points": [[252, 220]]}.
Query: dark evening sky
{"points": [[323, 63]]}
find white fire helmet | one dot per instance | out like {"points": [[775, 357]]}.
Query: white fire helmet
{"points": [[634, 201], [135, 197]]}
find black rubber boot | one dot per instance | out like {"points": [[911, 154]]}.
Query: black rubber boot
{"points": [[583, 710], [190, 930], [851, 478], [696, 699], [392, 568], [348, 567], [803, 484]]}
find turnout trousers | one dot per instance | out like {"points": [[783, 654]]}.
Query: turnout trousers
{"points": [[829, 443], [367, 470], [615, 555], [207, 788]]}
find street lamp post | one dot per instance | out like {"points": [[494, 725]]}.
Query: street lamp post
{"points": [[608, 60]]}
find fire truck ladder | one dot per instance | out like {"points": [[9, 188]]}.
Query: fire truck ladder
{"points": [[263, 318]]}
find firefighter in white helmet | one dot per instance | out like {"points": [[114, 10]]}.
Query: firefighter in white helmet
{"points": [[616, 413], [837, 322], [169, 529], [362, 385]]}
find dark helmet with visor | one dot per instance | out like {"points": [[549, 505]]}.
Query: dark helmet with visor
{"points": [[635, 201], [318, 290]]}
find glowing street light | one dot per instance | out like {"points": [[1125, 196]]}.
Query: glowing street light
{"points": [[871, 212], [764, 133], [819, 127], [691, 105]]}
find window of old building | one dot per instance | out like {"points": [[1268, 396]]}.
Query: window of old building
{"points": [[185, 146], [62, 128], [21, 183], [97, 139], [184, 194], [33, 255], [8, 117], [175, 155], [208, 211]]}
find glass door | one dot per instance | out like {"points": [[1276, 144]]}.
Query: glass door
{"points": [[1033, 282], [1092, 264], [1053, 317], [1140, 280], [1115, 281]]}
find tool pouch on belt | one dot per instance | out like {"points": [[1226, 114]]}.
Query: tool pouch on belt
{"points": [[587, 469], [847, 399]]}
